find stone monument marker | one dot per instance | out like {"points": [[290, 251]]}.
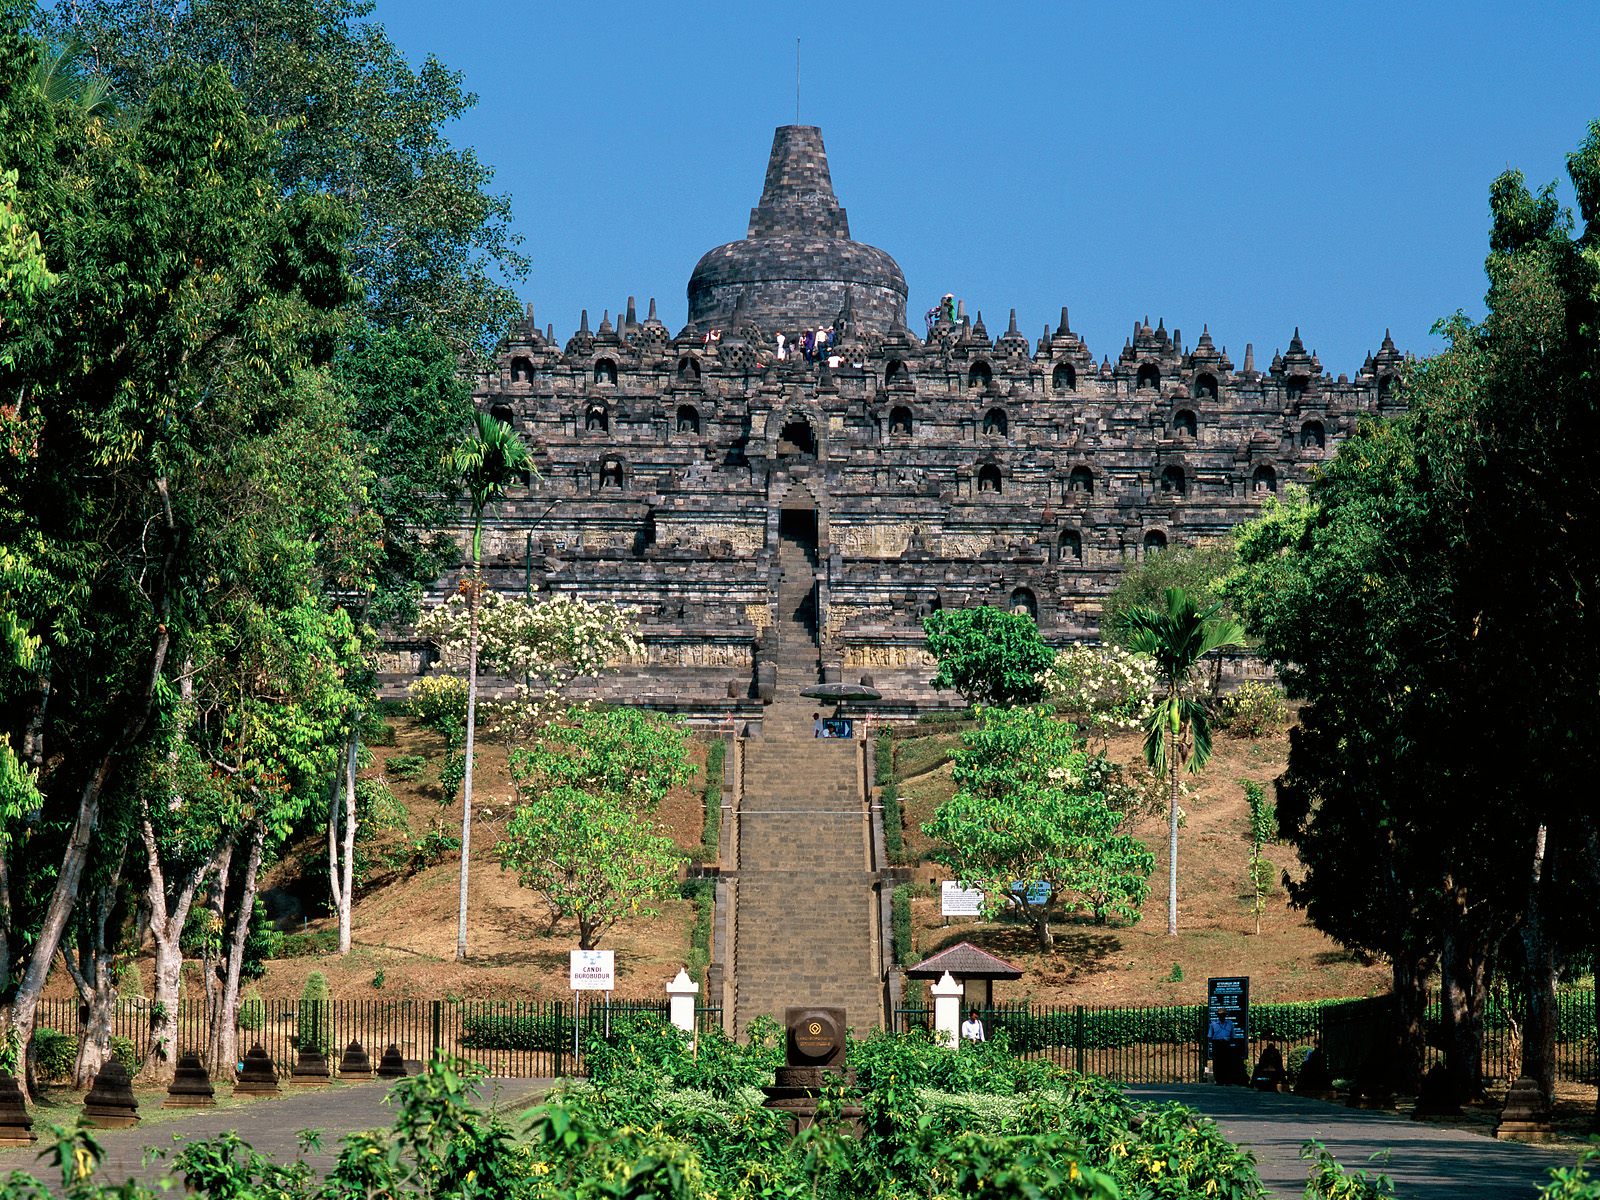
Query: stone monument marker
{"points": [[814, 1040]]}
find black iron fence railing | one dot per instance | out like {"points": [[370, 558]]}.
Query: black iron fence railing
{"points": [[527, 1039], [1164, 1044]]}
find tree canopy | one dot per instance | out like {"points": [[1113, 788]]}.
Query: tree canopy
{"points": [[988, 655]]}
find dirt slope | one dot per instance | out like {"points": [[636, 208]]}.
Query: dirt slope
{"points": [[1134, 964]]}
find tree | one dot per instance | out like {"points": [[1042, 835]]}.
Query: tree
{"points": [[1105, 686], [1031, 824], [632, 754], [1263, 828], [990, 656], [1178, 728], [592, 856], [487, 464], [432, 248], [1199, 569], [184, 317]]}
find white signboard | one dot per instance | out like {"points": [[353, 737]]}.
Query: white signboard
{"points": [[593, 970], [957, 901]]}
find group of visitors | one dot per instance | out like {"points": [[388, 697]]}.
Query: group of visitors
{"points": [[814, 346], [831, 727]]}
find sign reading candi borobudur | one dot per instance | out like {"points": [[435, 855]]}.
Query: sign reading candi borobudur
{"points": [[593, 970], [815, 1036]]}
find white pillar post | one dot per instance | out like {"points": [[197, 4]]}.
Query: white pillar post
{"points": [[947, 995], [681, 993]]}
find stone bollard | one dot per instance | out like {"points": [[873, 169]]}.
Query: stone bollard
{"points": [[1526, 1115], [191, 1085], [947, 995], [681, 993], [258, 1077], [16, 1126], [356, 1063], [110, 1103], [310, 1067], [393, 1064]]}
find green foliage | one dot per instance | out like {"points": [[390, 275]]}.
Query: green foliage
{"points": [[591, 857], [711, 801], [312, 943], [883, 757], [631, 754], [1176, 974], [54, 1054], [1253, 709], [1106, 687], [439, 703], [130, 984], [1578, 1182], [420, 853], [314, 1018], [1263, 828], [894, 820], [990, 656], [1330, 1181], [1199, 570], [378, 733], [704, 894], [1030, 806], [252, 1011], [905, 950], [124, 1051], [408, 768]]}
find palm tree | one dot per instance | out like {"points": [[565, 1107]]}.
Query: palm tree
{"points": [[488, 463], [58, 75], [1178, 729]]}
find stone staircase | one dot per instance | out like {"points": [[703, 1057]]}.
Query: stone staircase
{"points": [[805, 905]]}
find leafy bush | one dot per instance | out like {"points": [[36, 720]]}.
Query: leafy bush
{"points": [[124, 1051], [894, 822], [314, 1020], [1254, 709], [377, 732], [439, 703], [408, 768], [54, 1054], [1330, 1181], [704, 894], [900, 925], [711, 801], [420, 853], [252, 1011], [546, 1031], [452, 773], [311, 943]]}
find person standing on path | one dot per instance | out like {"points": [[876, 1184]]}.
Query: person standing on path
{"points": [[972, 1028]]}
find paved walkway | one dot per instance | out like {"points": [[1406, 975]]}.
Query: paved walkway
{"points": [[1429, 1162], [271, 1126]]}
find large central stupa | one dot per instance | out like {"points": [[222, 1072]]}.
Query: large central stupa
{"points": [[797, 265]]}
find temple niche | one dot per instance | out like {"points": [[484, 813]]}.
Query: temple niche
{"points": [[914, 463]]}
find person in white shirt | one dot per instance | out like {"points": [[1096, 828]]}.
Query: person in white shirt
{"points": [[972, 1028]]}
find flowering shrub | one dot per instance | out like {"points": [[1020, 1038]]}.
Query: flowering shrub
{"points": [[1105, 687], [1254, 709]]}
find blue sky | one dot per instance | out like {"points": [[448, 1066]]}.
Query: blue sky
{"points": [[1250, 166]]}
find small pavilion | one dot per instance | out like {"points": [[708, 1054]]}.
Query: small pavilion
{"points": [[974, 969]]}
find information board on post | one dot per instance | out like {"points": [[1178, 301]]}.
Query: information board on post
{"points": [[1228, 1027], [592, 970], [957, 901]]}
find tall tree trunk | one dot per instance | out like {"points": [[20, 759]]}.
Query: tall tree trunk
{"points": [[19, 1018], [1172, 845], [99, 923], [213, 963], [1410, 973], [166, 924], [472, 730], [225, 1026], [1539, 1021], [341, 868], [1463, 980]]}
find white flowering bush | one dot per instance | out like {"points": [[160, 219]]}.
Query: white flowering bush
{"points": [[540, 645], [1106, 687]]}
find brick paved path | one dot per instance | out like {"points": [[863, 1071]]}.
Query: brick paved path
{"points": [[1429, 1162], [271, 1126]]}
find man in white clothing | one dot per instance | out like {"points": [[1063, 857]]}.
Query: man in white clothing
{"points": [[972, 1028]]}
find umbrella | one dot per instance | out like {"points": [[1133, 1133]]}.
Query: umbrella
{"points": [[842, 691]]}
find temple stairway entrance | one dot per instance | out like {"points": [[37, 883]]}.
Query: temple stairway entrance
{"points": [[805, 902]]}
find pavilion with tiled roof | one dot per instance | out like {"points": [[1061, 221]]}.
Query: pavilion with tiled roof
{"points": [[967, 965]]}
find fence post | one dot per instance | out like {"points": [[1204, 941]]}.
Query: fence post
{"points": [[438, 1017], [1077, 1036]]}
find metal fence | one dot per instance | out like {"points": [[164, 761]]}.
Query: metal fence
{"points": [[1156, 1044], [519, 1039]]}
